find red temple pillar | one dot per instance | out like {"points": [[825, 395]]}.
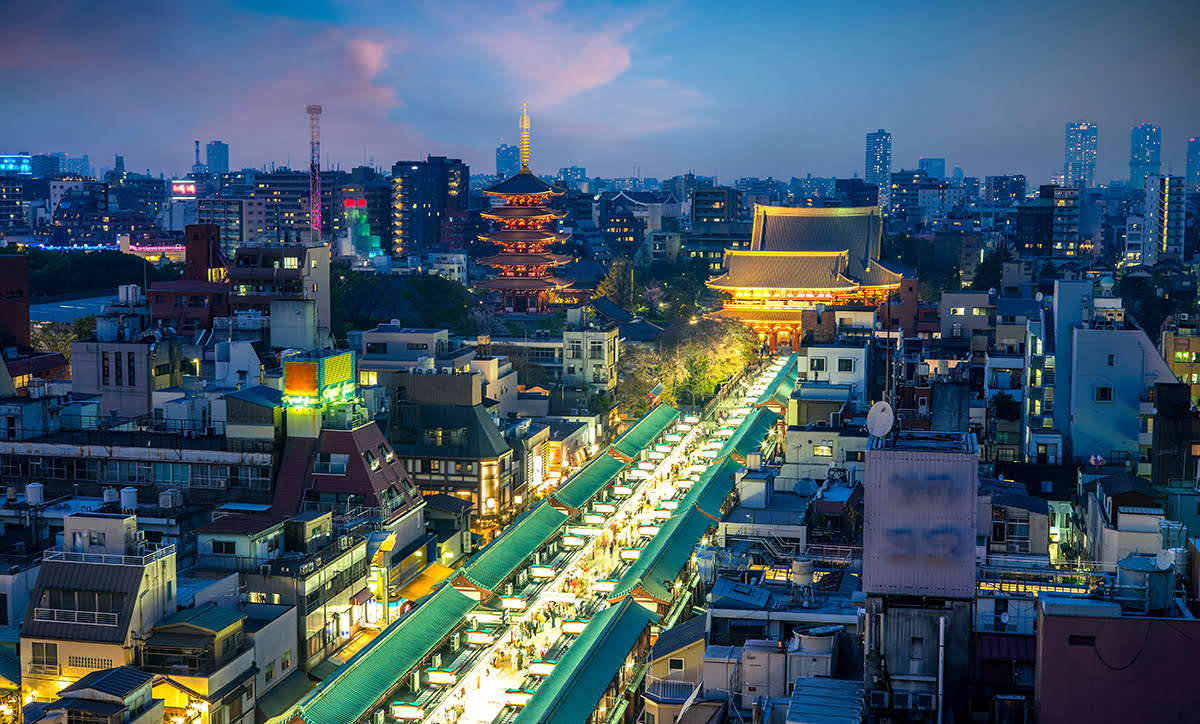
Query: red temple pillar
{"points": [[795, 337]]}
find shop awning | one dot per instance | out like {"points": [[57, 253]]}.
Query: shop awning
{"points": [[361, 597], [424, 582]]}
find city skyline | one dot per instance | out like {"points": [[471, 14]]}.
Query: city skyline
{"points": [[637, 86]]}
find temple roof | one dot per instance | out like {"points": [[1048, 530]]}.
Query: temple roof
{"points": [[529, 236], [857, 231], [519, 259], [502, 213], [525, 183], [530, 283], [784, 270]]}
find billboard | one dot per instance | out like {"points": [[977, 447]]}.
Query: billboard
{"points": [[919, 528]]}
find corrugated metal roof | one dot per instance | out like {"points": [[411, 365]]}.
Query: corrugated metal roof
{"points": [[643, 432], [500, 558], [357, 685], [126, 580], [119, 681], [209, 617], [678, 636], [572, 691], [584, 485], [10, 668], [789, 368]]}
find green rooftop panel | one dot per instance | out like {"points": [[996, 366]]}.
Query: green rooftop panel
{"points": [[644, 431], [502, 556], [579, 490]]}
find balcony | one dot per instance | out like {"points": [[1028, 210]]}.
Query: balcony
{"points": [[155, 552], [669, 691], [62, 615]]}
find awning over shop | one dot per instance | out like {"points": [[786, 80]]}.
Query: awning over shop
{"points": [[361, 597], [424, 582]]}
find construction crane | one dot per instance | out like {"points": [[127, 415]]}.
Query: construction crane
{"points": [[314, 173]]}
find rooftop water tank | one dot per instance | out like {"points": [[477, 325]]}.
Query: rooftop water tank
{"points": [[34, 494], [129, 499], [1154, 577], [110, 495], [802, 572]]}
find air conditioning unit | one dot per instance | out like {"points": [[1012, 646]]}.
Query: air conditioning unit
{"points": [[925, 702], [344, 542], [878, 700], [902, 700]]}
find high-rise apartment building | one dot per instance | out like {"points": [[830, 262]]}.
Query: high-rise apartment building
{"points": [[716, 205], [905, 193], [879, 162], [285, 193], [934, 168], [1004, 190], [1145, 144], [1164, 209], [241, 220], [217, 155], [1079, 164], [508, 160], [1193, 164], [422, 191], [1064, 230]]}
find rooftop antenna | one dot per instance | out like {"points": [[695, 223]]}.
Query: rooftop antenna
{"points": [[314, 172], [880, 419]]}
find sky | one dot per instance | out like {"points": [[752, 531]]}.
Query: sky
{"points": [[662, 87]]}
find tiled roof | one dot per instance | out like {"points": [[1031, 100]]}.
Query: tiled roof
{"points": [[352, 690], [644, 431], [10, 668], [547, 282], [482, 440], [118, 682], [784, 270], [856, 230], [209, 617], [583, 485], [523, 184], [679, 636], [497, 561], [447, 503], [572, 691]]}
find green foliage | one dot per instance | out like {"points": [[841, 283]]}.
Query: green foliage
{"points": [[361, 301], [58, 336], [1149, 304], [690, 361], [990, 271], [70, 272], [619, 283], [934, 275]]}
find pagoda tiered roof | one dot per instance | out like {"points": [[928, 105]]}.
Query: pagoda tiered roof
{"points": [[525, 183], [525, 213], [524, 236], [519, 259]]}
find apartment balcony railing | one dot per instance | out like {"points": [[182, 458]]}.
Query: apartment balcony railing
{"points": [[669, 691], [154, 553], [61, 615], [45, 669]]}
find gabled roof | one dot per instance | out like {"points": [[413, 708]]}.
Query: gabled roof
{"points": [[571, 692], [119, 682], [447, 503], [679, 636], [356, 686], [785, 270], [1121, 483], [585, 484], [483, 439], [260, 395], [209, 617]]}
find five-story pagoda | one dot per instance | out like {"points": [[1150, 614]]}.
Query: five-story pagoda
{"points": [[525, 230]]}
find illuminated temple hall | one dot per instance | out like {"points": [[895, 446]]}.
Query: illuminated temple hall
{"points": [[526, 230], [799, 258]]}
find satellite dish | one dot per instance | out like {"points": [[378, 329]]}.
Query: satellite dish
{"points": [[880, 419], [1164, 559]]}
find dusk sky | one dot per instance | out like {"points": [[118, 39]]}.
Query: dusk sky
{"points": [[725, 88]]}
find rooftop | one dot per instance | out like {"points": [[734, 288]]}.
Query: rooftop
{"points": [[921, 441]]}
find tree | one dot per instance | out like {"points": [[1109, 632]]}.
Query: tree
{"points": [[1005, 407], [58, 336], [618, 283], [991, 270]]}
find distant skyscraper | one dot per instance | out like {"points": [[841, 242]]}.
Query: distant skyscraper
{"points": [[508, 160], [422, 193], [934, 168], [1079, 165], [1145, 143], [1193, 164], [879, 162], [217, 157], [1164, 209]]}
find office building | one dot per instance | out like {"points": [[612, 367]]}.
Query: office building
{"points": [[1164, 210], [1193, 165], [241, 220], [934, 168], [422, 193], [879, 162], [12, 215], [904, 197], [718, 205], [1004, 190], [1079, 165], [217, 155], [573, 178], [285, 195], [508, 161], [268, 274], [1145, 145], [16, 164], [46, 165]]}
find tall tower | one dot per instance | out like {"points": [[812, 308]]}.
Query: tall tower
{"points": [[1193, 164], [314, 172], [197, 167], [525, 133], [1079, 162], [879, 163], [1145, 143]]}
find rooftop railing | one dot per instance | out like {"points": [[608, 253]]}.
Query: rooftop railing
{"points": [[154, 553]]}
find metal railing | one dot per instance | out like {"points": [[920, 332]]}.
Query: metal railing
{"points": [[58, 554], [62, 615], [669, 690]]}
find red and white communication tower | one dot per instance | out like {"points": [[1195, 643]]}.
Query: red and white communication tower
{"points": [[314, 172]]}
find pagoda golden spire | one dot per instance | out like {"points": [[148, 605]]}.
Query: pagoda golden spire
{"points": [[525, 130]]}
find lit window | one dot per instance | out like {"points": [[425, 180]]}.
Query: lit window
{"points": [[823, 451], [1104, 393], [958, 311], [291, 262], [817, 364]]}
